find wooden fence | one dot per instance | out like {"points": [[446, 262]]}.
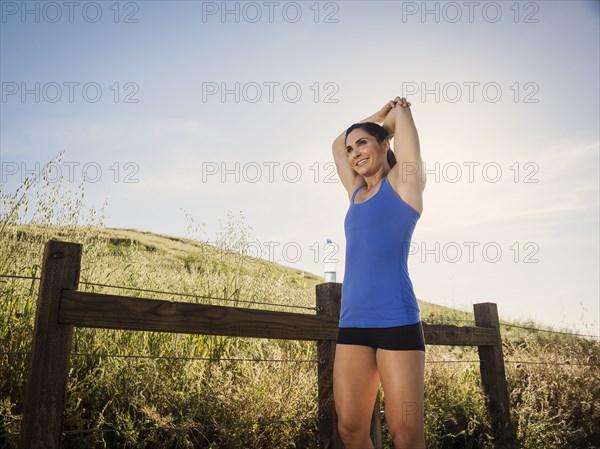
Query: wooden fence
{"points": [[61, 306]]}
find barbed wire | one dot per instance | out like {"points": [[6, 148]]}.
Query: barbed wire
{"points": [[19, 277], [450, 361], [231, 359], [179, 428], [548, 330], [523, 362], [71, 432], [564, 363], [166, 357], [443, 320], [189, 295]]}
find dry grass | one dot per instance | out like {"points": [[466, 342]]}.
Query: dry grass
{"points": [[175, 403]]}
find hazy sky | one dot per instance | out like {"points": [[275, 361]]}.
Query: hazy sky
{"points": [[212, 107]]}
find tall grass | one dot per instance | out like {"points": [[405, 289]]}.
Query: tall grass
{"points": [[219, 400]]}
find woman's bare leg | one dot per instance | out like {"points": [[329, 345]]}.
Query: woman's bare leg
{"points": [[355, 386], [402, 378]]}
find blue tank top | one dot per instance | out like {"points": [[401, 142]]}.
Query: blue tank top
{"points": [[377, 290]]}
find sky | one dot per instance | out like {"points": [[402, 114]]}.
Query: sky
{"points": [[208, 113]]}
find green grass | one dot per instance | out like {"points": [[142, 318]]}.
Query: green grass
{"points": [[179, 403]]}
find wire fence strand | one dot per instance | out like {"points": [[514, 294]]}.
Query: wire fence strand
{"points": [[446, 320], [564, 363], [573, 334], [548, 330], [231, 359], [15, 276], [71, 432], [190, 295], [187, 295], [245, 301], [180, 428], [166, 357]]}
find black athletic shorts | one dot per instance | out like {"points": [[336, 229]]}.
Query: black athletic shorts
{"points": [[399, 338]]}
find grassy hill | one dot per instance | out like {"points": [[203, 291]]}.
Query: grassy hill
{"points": [[180, 391]]}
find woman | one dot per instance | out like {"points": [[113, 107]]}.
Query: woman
{"points": [[380, 337]]}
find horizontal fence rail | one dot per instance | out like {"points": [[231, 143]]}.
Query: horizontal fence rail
{"points": [[98, 310], [85, 309], [61, 306]]}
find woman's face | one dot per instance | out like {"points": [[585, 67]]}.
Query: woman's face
{"points": [[365, 154]]}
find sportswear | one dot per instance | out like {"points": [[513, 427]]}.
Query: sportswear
{"points": [[377, 290], [398, 338]]}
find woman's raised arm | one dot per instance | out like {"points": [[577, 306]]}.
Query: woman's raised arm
{"points": [[350, 179], [400, 124]]}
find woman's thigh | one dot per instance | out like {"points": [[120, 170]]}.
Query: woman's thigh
{"points": [[402, 378], [355, 384]]}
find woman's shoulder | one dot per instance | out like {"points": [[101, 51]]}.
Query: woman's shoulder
{"points": [[409, 192], [358, 183]]}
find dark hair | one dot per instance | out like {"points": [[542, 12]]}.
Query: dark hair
{"points": [[377, 131]]}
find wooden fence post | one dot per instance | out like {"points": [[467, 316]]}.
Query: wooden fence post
{"points": [[493, 377], [328, 303], [328, 300], [46, 388]]}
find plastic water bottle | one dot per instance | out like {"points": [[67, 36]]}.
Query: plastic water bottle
{"points": [[330, 265]]}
